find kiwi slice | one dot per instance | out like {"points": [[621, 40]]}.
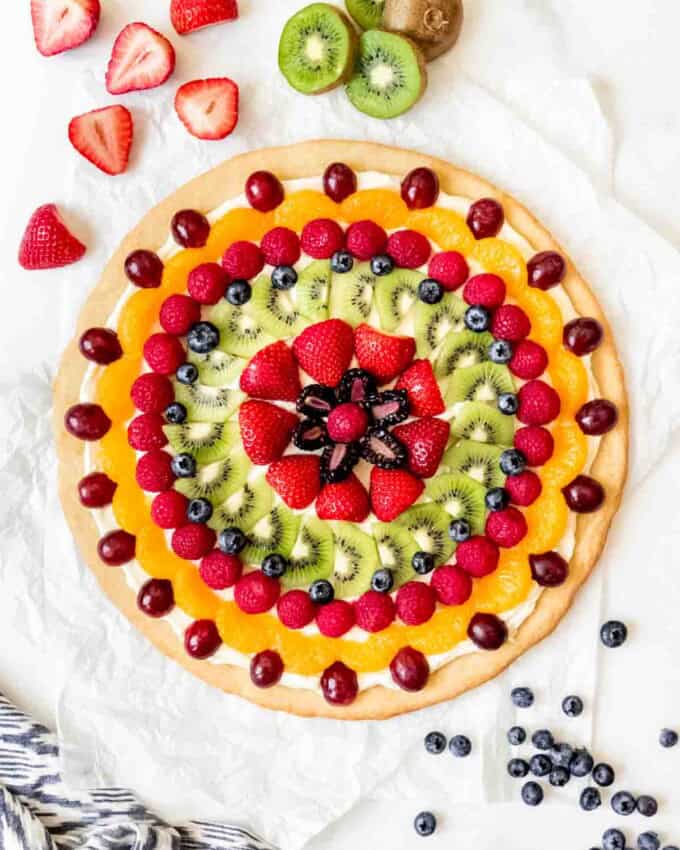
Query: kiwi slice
{"points": [[275, 310], [389, 76], [245, 507], [429, 525], [460, 350], [483, 382], [356, 559], [217, 368], [241, 332], [396, 548], [317, 49], [312, 555], [275, 533], [476, 420], [216, 481], [208, 404], [434, 322], [433, 24], [206, 441], [352, 294], [461, 497], [367, 13], [395, 295], [479, 461], [313, 290]]}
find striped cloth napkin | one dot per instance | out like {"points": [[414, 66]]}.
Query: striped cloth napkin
{"points": [[37, 811]]}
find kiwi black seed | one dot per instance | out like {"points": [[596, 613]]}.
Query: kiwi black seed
{"points": [[434, 25]]}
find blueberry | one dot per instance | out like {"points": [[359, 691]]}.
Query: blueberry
{"points": [[613, 634], [435, 743], [561, 755], [187, 373], [670, 847], [423, 563], [183, 465], [425, 824], [648, 841], [430, 292], [668, 738], [572, 706], [613, 839], [542, 740], [176, 413], [382, 264], [540, 765], [500, 351], [513, 462], [590, 799], [460, 746], [647, 806], [460, 530], [342, 262], [321, 592], [203, 337], [522, 697], [274, 566], [477, 318], [516, 736], [559, 776], [231, 541], [581, 764], [532, 794], [284, 277], [199, 510], [518, 768], [603, 775], [508, 403], [623, 803], [497, 499], [239, 292], [382, 581]]}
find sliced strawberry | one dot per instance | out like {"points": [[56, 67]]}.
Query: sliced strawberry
{"points": [[272, 374], [425, 441], [346, 500], [208, 108], [104, 136], [47, 242], [60, 25], [392, 492], [265, 430], [382, 355], [296, 479], [190, 15], [142, 58], [421, 386], [325, 350]]}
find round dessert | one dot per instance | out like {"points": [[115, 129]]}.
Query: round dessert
{"points": [[342, 429]]}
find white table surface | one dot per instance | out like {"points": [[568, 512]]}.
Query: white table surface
{"points": [[538, 58]]}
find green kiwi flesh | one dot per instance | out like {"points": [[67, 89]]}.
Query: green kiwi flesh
{"points": [[478, 461], [476, 420], [275, 309], [483, 382], [275, 533], [216, 481], [312, 555], [313, 290], [367, 13], [396, 548], [244, 508], [461, 497], [208, 404], [434, 322], [216, 368], [352, 294], [395, 295], [356, 559], [461, 350], [241, 333], [206, 441], [429, 525]]}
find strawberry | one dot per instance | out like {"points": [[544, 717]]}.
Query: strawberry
{"points": [[382, 355], [220, 571], [192, 541], [537, 444], [422, 389], [538, 403], [295, 609], [265, 430], [208, 108], [325, 350], [256, 593], [416, 602], [392, 492], [178, 313], [145, 432], [60, 25], [374, 611], [478, 556], [409, 249], [529, 360], [296, 479], [336, 618], [104, 136], [425, 441], [47, 242], [452, 585], [190, 15], [152, 393], [347, 500], [524, 488], [272, 374], [154, 471], [142, 58], [450, 269], [169, 509], [506, 528]]}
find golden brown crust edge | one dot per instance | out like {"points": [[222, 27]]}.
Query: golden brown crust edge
{"points": [[610, 466]]}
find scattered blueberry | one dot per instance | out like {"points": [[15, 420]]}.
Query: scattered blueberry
{"points": [[590, 799], [513, 462], [670, 847], [382, 581], [647, 806], [559, 776], [497, 499], [187, 373], [382, 264], [522, 697], [430, 292], [460, 530], [572, 706], [532, 794], [477, 319], [518, 768], [231, 541], [183, 465], [623, 803], [239, 292], [562, 754], [508, 404], [274, 566], [648, 841], [423, 563], [284, 277], [516, 736], [321, 592], [460, 746], [435, 743], [581, 764], [668, 738], [425, 824], [199, 510], [540, 765], [342, 262], [613, 634], [542, 740], [176, 413], [203, 337], [500, 351], [603, 775], [613, 839]]}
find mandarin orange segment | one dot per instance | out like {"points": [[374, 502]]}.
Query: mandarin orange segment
{"points": [[447, 628], [137, 318], [569, 457], [506, 588], [382, 206], [446, 228], [115, 457], [370, 655], [237, 224], [302, 654], [193, 595], [545, 315], [177, 269], [113, 388], [570, 379], [505, 260], [153, 554], [301, 207], [247, 633], [547, 520], [130, 508]]}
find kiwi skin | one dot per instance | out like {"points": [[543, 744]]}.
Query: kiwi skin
{"points": [[433, 24]]}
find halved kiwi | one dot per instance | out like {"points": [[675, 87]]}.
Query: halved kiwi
{"points": [[216, 368], [479, 461], [396, 548], [483, 382], [434, 322], [389, 76], [433, 24], [241, 332], [429, 525], [275, 533], [275, 309], [206, 441], [313, 289], [317, 49], [356, 559], [352, 294], [244, 508], [460, 350], [395, 295], [216, 481], [476, 420], [208, 404], [312, 554], [367, 13], [461, 497]]}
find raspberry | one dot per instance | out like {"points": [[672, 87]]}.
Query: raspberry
{"points": [[374, 611], [152, 393], [524, 488], [295, 609], [478, 556], [164, 353], [192, 541], [450, 269], [538, 403], [452, 585], [178, 313], [365, 239], [336, 618], [243, 260], [537, 444], [154, 472], [145, 432], [486, 290], [506, 528], [220, 571], [256, 593], [416, 602], [409, 249], [347, 423], [510, 322], [169, 509], [321, 238], [280, 247], [207, 283], [529, 360]]}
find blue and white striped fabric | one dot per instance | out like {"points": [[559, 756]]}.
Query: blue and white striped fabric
{"points": [[37, 812]]}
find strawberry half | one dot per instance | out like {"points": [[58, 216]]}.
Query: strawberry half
{"points": [[47, 242], [265, 430], [190, 15], [208, 108], [142, 58], [346, 500], [421, 386], [392, 492], [60, 25], [325, 350], [296, 479], [382, 355], [425, 441], [104, 136], [272, 374]]}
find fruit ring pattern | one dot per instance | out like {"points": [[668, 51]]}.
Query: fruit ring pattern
{"points": [[349, 411]]}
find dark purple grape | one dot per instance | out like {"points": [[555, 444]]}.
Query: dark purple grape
{"points": [[582, 336], [597, 417]]}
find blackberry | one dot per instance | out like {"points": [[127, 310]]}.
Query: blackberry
{"points": [[337, 462], [316, 401], [379, 447], [310, 435], [388, 408], [356, 385]]}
